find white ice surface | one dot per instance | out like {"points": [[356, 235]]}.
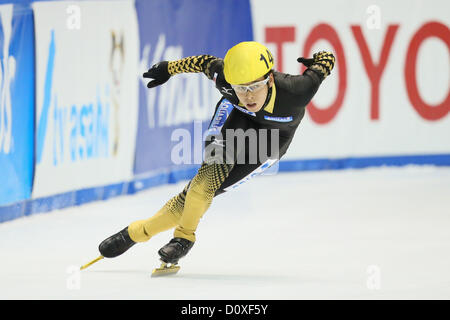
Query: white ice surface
{"points": [[358, 234]]}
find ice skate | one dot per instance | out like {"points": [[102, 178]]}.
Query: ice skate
{"points": [[113, 246], [165, 269], [116, 244], [170, 254]]}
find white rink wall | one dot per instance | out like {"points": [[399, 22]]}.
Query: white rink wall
{"points": [[389, 93], [78, 124]]}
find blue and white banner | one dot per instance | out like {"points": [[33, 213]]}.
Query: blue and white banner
{"points": [[16, 103], [86, 98], [171, 30]]}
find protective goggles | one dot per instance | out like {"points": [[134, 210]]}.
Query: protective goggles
{"points": [[250, 88]]}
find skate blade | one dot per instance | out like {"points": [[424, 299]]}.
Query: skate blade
{"points": [[165, 270], [91, 263]]}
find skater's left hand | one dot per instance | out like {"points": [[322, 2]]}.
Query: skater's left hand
{"points": [[305, 61], [322, 61]]}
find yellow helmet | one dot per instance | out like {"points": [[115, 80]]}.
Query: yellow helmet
{"points": [[246, 62]]}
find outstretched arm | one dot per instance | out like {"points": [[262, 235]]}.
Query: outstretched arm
{"points": [[319, 67], [193, 64], [321, 63], [162, 71]]}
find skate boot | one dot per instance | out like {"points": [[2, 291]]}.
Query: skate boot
{"points": [[116, 244], [176, 249], [170, 254]]}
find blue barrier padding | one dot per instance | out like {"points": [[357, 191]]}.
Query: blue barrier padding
{"points": [[363, 162], [79, 197], [17, 91], [12, 211], [155, 180]]}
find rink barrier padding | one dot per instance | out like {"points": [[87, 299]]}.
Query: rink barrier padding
{"points": [[87, 195], [17, 67], [55, 170], [86, 110], [68, 162], [363, 162], [84, 196], [179, 103]]}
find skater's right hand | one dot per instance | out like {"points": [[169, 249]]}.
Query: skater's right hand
{"points": [[159, 73]]}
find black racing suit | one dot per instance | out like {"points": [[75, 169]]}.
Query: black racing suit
{"points": [[283, 111]]}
